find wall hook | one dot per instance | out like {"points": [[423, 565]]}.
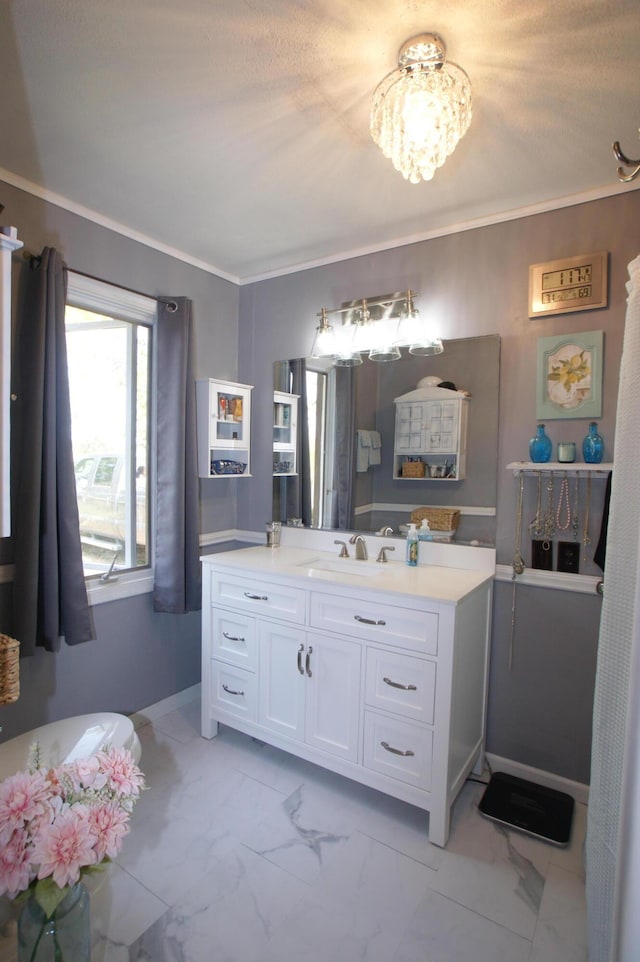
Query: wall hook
{"points": [[626, 162]]}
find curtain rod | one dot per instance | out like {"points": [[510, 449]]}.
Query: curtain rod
{"points": [[29, 256]]}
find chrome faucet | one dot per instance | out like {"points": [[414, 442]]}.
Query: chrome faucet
{"points": [[385, 531], [344, 551], [361, 546], [382, 554]]}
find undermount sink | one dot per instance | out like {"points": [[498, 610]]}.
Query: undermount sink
{"points": [[346, 566]]}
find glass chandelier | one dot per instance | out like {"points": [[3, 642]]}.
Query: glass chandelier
{"points": [[420, 111], [398, 324]]}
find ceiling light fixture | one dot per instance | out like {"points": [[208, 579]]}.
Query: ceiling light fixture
{"points": [[378, 327], [420, 111]]}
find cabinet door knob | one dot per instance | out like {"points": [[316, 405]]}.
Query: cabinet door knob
{"points": [[369, 621], [231, 637], [230, 691], [396, 684], [252, 597], [300, 668], [396, 751], [308, 661]]}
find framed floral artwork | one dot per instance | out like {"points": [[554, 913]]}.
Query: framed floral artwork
{"points": [[569, 380]]}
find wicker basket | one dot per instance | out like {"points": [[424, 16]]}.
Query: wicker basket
{"points": [[413, 469], [9, 670], [440, 519]]}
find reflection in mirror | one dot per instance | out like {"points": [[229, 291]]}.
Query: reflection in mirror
{"points": [[334, 488]]}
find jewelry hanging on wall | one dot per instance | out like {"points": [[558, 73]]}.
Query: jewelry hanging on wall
{"points": [[518, 564], [563, 501], [586, 540], [535, 526], [548, 523], [575, 521]]}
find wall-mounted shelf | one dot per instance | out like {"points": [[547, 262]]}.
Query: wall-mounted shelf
{"points": [[568, 469], [285, 433], [224, 428]]}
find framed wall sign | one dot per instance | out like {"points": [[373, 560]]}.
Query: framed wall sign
{"points": [[570, 284], [569, 379]]}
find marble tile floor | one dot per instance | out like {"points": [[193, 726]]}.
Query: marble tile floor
{"points": [[242, 853]]}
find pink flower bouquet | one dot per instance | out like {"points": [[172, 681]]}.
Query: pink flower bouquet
{"points": [[58, 824]]}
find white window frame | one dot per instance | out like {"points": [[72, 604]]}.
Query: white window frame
{"points": [[103, 298]]}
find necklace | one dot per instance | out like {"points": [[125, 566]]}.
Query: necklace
{"points": [[518, 566], [575, 522], [564, 498], [586, 540], [548, 522], [535, 526]]}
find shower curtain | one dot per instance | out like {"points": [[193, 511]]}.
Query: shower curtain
{"points": [[613, 831]]}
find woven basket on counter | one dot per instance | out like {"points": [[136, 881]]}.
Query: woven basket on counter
{"points": [[9, 670], [413, 469], [440, 519]]}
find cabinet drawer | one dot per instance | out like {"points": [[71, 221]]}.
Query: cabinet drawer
{"points": [[234, 639], [400, 684], [404, 627], [234, 691], [259, 597], [399, 749]]}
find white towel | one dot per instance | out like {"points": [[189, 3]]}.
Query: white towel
{"points": [[363, 450], [376, 447]]}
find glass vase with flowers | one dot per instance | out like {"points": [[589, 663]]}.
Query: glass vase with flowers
{"points": [[57, 825]]}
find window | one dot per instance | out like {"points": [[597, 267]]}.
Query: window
{"points": [[110, 348]]}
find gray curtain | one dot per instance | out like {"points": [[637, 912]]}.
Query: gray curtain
{"points": [[345, 449], [298, 500], [49, 593], [177, 585]]}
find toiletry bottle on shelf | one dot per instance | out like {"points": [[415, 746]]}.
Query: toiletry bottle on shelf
{"points": [[424, 532], [412, 546]]}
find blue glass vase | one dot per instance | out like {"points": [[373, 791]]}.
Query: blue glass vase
{"points": [[593, 445], [540, 446]]}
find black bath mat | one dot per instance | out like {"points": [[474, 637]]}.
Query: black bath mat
{"points": [[542, 812]]}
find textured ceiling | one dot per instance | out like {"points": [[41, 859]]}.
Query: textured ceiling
{"points": [[236, 131]]}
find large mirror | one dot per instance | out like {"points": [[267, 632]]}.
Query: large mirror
{"points": [[335, 488]]}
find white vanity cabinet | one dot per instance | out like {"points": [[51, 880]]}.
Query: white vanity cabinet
{"points": [[370, 678], [308, 688]]}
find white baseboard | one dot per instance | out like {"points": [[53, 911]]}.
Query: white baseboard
{"points": [[577, 790], [160, 708]]}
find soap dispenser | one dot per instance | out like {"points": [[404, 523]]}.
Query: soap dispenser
{"points": [[424, 534], [412, 545]]}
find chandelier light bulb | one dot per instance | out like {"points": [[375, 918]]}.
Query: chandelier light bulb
{"points": [[420, 111]]}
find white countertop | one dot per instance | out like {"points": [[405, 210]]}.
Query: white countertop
{"points": [[427, 581]]}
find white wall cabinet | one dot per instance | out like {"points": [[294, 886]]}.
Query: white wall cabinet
{"points": [[285, 434], [388, 691], [431, 428], [223, 428]]}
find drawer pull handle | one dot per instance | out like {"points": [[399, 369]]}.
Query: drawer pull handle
{"points": [[300, 668], [248, 594], [396, 751], [396, 684], [369, 621], [232, 637], [308, 659], [230, 691]]}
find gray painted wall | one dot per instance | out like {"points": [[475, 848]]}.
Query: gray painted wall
{"points": [[476, 283]]}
